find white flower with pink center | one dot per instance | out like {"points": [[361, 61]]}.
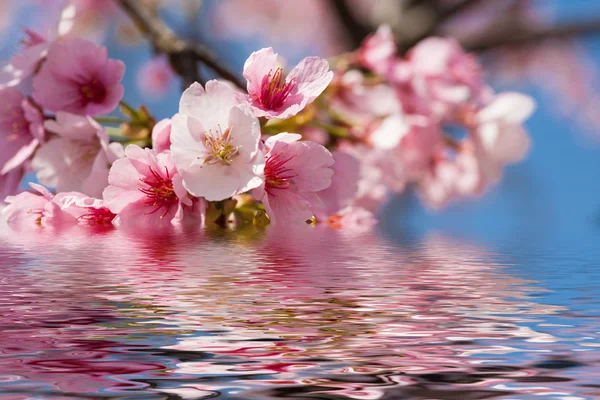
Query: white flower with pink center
{"points": [[272, 96], [214, 143]]}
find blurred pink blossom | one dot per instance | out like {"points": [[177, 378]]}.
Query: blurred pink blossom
{"points": [[445, 73], [20, 128], [155, 77], [78, 77], [78, 157], [344, 185], [377, 51]]}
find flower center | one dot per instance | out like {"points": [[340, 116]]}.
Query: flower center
{"points": [[98, 216], [274, 89], [219, 147], [159, 192], [277, 175], [93, 92]]}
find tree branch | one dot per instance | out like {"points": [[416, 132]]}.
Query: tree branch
{"points": [[441, 16], [509, 36], [355, 29], [182, 54]]}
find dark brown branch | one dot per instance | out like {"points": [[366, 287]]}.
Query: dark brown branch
{"points": [[441, 16], [355, 29], [182, 54], [509, 36]]}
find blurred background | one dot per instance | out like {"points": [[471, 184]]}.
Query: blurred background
{"points": [[549, 49]]}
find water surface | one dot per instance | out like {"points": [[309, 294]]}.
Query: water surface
{"points": [[307, 313]]}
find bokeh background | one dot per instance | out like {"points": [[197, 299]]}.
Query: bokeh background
{"points": [[550, 200]]}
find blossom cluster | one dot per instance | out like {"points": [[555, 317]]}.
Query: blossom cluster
{"points": [[327, 142]]}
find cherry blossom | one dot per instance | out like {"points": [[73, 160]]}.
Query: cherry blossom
{"points": [[78, 77], [214, 143], [161, 136], [378, 51], [87, 210], [272, 96], [155, 77], [445, 73], [21, 129], [294, 172], [145, 188], [78, 158]]}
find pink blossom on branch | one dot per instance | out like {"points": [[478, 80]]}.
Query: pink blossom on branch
{"points": [[378, 51], [271, 95], [445, 73], [78, 157], [295, 171], [214, 143], [21, 129], [145, 188], [78, 77]]}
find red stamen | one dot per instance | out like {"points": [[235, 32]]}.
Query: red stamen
{"points": [[98, 216], [159, 192], [276, 175], [275, 90]]}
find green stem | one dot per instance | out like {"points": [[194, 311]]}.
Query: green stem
{"points": [[110, 120], [333, 130], [127, 107]]}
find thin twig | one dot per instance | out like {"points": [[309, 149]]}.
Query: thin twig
{"points": [[508, 36], [355, 29], [182, 54], [441, 16]]}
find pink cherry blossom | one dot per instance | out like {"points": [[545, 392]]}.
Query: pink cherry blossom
{"points": [[78, 158], [155, 77], [372, 190], [294, 172], [21, 129], [499, 136], [23, 65], [272, 96], [344, 185], [42, 208], [27, 208], [145, 188], [445, 72], [26, 62], [500, 127], [87, 210], [437, 186], [214, 143], [161, 136], [359, 103], [378, 50], [78, 77]]}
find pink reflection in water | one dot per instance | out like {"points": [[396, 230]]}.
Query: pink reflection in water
{"points": [[265, 312]]}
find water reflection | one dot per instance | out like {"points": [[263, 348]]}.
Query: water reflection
{"points": [[296, 313]]}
